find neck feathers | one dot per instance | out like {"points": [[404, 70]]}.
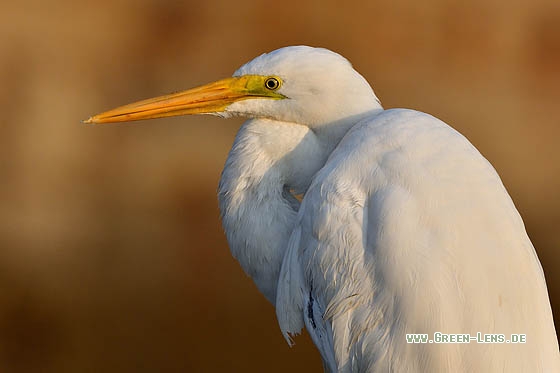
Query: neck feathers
{"points": [[267, 161]]}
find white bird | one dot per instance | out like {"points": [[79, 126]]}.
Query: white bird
{"points": [[404, 227]]}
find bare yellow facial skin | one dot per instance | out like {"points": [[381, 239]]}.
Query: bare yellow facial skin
{"points": [[210, 98]]}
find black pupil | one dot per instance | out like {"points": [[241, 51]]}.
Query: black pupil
{"points": [[271, 84]]}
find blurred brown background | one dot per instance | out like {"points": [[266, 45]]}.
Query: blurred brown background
{"points": [[112, 257]]}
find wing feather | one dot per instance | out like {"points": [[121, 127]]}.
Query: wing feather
{"points": [[408, 229]]}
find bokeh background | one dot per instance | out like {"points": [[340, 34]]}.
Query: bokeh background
{"points": [[112, 257]]}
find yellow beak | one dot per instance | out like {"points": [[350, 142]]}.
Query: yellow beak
{"points": [[210, 98]]}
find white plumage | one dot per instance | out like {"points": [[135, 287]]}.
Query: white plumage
{"points": [[404, 227], [408, 229]]}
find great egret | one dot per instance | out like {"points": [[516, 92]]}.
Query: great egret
{"points": [[404, 227]]}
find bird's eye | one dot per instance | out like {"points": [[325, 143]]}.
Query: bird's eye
{"points": [[272, 84]]}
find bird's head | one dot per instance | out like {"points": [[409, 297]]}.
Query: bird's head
{"points": [[304, 85]]}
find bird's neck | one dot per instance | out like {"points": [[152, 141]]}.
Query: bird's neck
{"points": [[268, 161]]}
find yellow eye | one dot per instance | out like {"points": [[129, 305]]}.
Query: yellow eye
{"points": [[272, 84]]}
